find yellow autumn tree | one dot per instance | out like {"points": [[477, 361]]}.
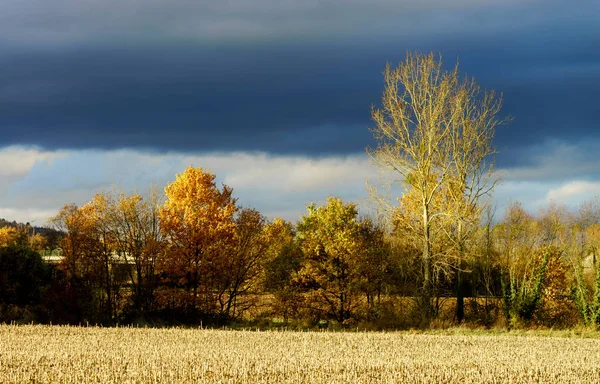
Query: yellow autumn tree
{"points": [[330, 238], [8, 236], [281, 264], [197, 221]]}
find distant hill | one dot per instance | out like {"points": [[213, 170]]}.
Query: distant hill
{"points": [[6, 223]]}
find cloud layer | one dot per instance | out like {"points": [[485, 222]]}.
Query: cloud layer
{"points": [[279, 186], [275, 96], [281, 77], [70, 21], [36, 183]]}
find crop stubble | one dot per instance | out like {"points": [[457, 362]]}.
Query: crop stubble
{"points": [[52, 354]]}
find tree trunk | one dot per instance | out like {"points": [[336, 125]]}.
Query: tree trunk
{"points": [[460, 294], [195, 288], [108, 291], [460, 297], [426, 291]]}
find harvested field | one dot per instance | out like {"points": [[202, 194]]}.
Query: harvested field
{"points": [[52, 354]]}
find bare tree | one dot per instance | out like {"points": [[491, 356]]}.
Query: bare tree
{"points": [[434, 132], [134, 221]]}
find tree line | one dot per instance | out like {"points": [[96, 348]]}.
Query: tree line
{"points": [[434, 255]]}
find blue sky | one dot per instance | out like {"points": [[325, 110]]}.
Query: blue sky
{"points": [[275, 96]]}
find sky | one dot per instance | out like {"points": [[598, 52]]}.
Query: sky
{"points": [[274, 96]]}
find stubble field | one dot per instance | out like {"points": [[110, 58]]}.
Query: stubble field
{"points": [[47, 354]]}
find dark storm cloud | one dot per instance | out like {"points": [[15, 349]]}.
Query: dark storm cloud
{"points": [[186, 99], [280, 77], [73, 21]]}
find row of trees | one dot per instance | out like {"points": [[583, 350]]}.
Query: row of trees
{"points": [[197, 255], [128, 259], [201, 256]]}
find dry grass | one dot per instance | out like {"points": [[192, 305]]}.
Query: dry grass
{"points": [[46, 354]]}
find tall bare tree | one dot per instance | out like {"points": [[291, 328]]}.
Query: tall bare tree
{"points": [[434, 131]]}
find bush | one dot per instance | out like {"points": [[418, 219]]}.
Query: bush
{"points": [[23, 274]]}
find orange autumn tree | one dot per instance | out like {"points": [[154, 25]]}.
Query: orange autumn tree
{"points": [[71, 221], [85, 248], [197, 221]]}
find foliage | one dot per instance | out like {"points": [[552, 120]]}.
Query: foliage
{"points": [[522, 297], [134, 225], [8, 236], [330, 239], [197, 220], [238, 269], [23, 276], [583, 253]]}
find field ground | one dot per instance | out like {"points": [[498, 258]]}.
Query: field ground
{"points": [[53, 354]]}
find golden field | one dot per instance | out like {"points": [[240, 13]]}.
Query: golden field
{"points": [[53, 354]]}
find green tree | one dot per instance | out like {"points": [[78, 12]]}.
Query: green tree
{"points": [[533, 277], [23, 276], [582, 253]]}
